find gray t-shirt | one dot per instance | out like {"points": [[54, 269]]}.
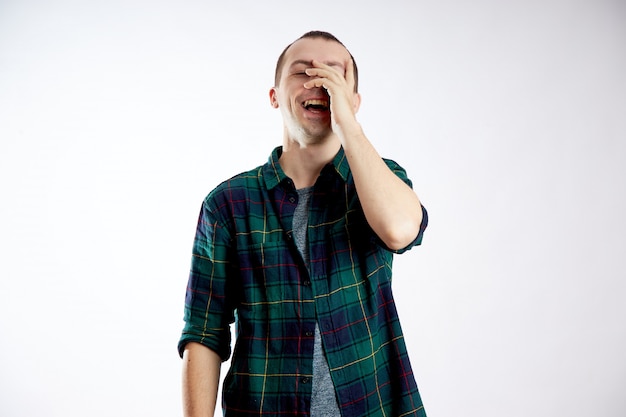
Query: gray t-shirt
{"points": [[323, 398]]}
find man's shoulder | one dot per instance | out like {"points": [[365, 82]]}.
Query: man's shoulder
{"points": [[392, 164], [236, 188], [247, 179], [398, 170], [253, 179]]}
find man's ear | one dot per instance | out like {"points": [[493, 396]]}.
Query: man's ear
{"points": [[356, 102], [273, 97]]}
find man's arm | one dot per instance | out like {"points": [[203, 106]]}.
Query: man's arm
{"points": [[391, 207], [201, 374]]}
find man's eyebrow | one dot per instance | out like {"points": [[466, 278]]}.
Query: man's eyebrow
{"points": [[308, 63]]}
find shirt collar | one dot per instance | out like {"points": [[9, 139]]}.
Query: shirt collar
{"points": [[273, 174]]}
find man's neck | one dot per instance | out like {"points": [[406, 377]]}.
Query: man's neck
{"points": [[303, 164]]}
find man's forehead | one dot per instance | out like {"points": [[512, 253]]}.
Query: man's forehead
{"points": [[329, 52]]}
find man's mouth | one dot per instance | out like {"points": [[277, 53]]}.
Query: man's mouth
{"points": [[316, 104]]}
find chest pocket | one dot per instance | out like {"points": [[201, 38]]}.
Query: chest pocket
{"points": [[267, 273]]}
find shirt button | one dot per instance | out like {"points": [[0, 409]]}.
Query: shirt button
{"points": [[292, 199], [308, 334], [305, 380], [307, 283]]}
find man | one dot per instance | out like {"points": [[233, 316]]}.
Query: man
{"points": [[299, 250]]}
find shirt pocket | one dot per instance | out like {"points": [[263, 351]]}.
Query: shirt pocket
{"points": [[268, 272]]}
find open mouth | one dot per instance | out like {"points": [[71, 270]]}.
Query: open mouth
{"points": [[316, 105]]}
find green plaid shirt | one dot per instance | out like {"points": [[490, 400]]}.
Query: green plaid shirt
{"points": [[245, 264]]}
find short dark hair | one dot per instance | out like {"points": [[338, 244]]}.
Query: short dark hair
{"points": [[315, 34]]}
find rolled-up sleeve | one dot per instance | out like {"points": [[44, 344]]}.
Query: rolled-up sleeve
{"points": [[209, 301], [401, 173]]}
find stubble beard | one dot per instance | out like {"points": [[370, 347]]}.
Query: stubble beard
{"points": [[308, 135]]}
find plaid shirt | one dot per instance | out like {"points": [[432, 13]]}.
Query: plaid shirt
{"points": [[245, 264]]}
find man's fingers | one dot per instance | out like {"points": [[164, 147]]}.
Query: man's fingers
{"points": [[332, 73], [323, 70], [350, 73], [316, 82], [329, 75]]}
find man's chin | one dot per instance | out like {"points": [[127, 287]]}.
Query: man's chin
{"points": [[318, 137]]}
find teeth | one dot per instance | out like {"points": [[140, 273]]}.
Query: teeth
{"points": [[317, 103]]}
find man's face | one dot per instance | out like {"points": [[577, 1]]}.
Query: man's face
{"points": [[306, 112]]}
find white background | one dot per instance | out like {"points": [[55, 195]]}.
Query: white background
{"points": [[117, 118]]}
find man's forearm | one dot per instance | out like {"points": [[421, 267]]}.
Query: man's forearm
{"points": [[391, 207], [201, 373]]}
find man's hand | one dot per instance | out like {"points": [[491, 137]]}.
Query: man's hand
{"points": [[344, 101]]}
